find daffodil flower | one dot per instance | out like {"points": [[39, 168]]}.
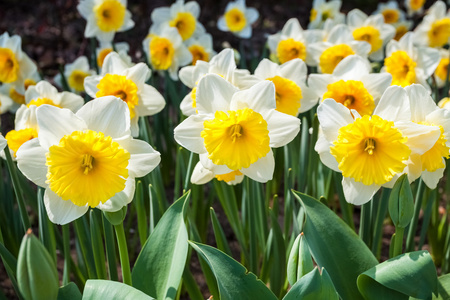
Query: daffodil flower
{"points": [[75, 73], [292, 42], [322, 11], [166, 51], [391, 12], [371, 151], [107, 47], [201, 48], [180, 15], [10, 98], [104, 18], [409, 64], [440, 74], [434, 30], [238, 19], [431, 164], [371, 29], [15, 65], [202, 175], [87, 159], [401, 28], [352, 84], [236, 131], [291, 93], [414, 6], [127, 83], [340, 44]]}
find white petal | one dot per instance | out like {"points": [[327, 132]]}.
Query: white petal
{"points": [[188, 133], [431, 179], [61, 211], [71, 101], [150, 101], [322, 147], [420, 137], [31, 161], [428, 60], [421, 102], [90, 84], [121, 198], [251, 15], [356, 192], [394, 105], [262, 169], [332, 116], [213, 87], [283, 128], [376, 84], [113, 64], [139, 74], [260, 98], [201, 175]]}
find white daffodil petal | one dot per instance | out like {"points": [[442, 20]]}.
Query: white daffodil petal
{"points": [[262, 169], [188, 133], [61, 211], [121, 198], [201, 175], [31, 162], [332, 116], [282, 128], [356, 192]]}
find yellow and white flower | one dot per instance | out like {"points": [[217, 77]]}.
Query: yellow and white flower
{"points": [[75, 73], [414, 6], [44, 93], [391, 12], [107, 47], [166, 51], [371, 151], [292, 42], [237, 129], [371, 29], [238, 19], [15, 65], [340, 44], [444, 103], [291, 93], [10, 98], [127, 83], [180, 15], [352, 85], [104, 18], [87, 159], [202, 175], [440, 74], [431, 164], [409, 64], [323, 10], [401, 28], [434, 30], [201, 48]]}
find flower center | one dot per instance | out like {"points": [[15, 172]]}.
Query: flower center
{"points": [[76, 80], [41, 101], [87, 168], [432, 159], [400, 31], [102, 55], [401, 67], [16, 138], [198, 53], [416, 4], [439, 32], [161, 53], [313, 15], [228, 177], [332, 56], [235, 19], [441, 70], [110, 15], [121, 87], [16, 96], [390, 15], [370, 150], [236, 139], [185, 23], [9, 66], [289, 49], [287, 94], [352, 94], [369, 34]]}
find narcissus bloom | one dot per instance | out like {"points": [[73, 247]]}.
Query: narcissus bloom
{"points": [[165, 51], [75, 73], [401, 28], [10, 98], [238, 19], [201, 48], [434, 30], [291, 93], [444, 103], [440, 74], [351, 84], [292, 42], [45, 93], [237, 129], [25, 129], [391, 12], [104, 18], [409, 64], [371, 151], [127, 83], [371, 29], [180, 15], [414, 6], [340, 44], [107, 47], [15, 65], [87, 159], [323, 10]]}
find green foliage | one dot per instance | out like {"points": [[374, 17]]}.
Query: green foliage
{"points": [[111, 290], [401, 202], [313, 285]]}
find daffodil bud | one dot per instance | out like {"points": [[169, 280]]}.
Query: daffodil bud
{"points": [[117, 217], [37, 276], [401, 203], [300, 261]]}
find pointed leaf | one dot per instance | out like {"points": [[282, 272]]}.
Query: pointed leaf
{"points": [[160, 264], [69, 292], [300, 261], [335, 247], [234, 281], [111, 290], [313, 286]]}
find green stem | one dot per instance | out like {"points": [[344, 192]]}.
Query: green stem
{"points": [[413, 225], [398, 241], [17, 190], [123, 252], [381, 215], [110, 249], [97, 245], [188, 172], [66, 242], [364, 225]]}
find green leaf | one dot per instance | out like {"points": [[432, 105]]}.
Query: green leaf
{"points": [[401, 202], [111, 290], [159, 267], [335, 247], [443, 288], [69, 292], [300, 261], [410, 274], [313, 286], [234, 281]]}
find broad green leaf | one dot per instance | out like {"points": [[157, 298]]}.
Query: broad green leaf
{"points": [[401, 202], [234, 281], [313, 286], [410, 274], [159, 267], [443, 288], [300, 262], [111, 290], [335, 247], [69, 292]]}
